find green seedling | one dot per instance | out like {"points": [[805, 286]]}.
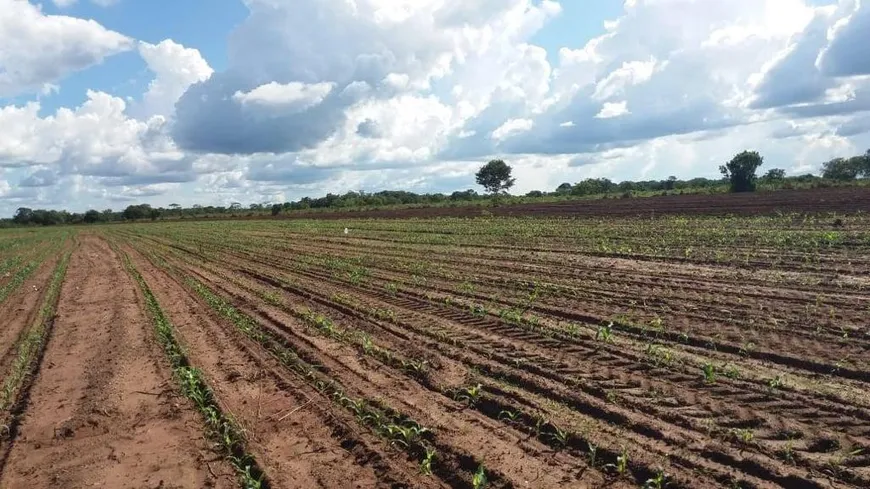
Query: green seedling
{"points": [[479, 480], [426, 463], [709, 371]]}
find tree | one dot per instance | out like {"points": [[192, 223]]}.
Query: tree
{"points": [[92, 216], [276, 209], [842, 168], [740, 171], [865, 170], [133, 212], [495, 177], [565, 188], [774, 175], [670, 183], [23, 215]]}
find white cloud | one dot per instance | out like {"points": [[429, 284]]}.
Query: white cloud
{"points": [[612, 109], [511, 127], [289, 97], [37, 49], [176, 68], [69, 3]]}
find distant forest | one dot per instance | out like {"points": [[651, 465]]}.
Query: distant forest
{"points": [[837, 172]]}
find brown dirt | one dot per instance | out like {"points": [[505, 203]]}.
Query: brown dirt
{"points": [[102, 412], [19, 310], [660, 410], [299, 439]]}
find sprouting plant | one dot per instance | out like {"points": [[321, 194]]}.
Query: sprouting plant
{"points": [[788, 451], [593, 454], [415, 367], [573, 329], [540, 421], [775, 383], [479, 480], [657, 482], [745, 435], [508, 415], [731, 372], [470, 394], [510, 315], [272, 298], [560, 436], [466, 288], [622, 462], [621, 465], [367, 344], [477, 310], [426, 463], [392, 288], [605, 333], [709, 372]]}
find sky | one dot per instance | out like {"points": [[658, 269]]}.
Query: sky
{"points": [[107, 103]]}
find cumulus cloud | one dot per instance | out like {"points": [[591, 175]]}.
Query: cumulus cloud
{"points": [[289, 97], [822, 71], [39, 49], [512, 126], [366, 50], [68, 3], [848, 53], [175, 69], [610, 110]]}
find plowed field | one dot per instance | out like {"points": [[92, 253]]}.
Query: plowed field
{"points": [[667, 351]]}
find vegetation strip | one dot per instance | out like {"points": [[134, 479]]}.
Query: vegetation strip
{"points": [[226, 433], [16, 386]]}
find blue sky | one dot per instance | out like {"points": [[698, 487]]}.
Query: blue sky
{"points": [[194, 101]]}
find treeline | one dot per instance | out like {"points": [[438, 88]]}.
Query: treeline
{"points": [[834, 172]]}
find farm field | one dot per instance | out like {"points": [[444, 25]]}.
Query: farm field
{"points": [[501, 352]]}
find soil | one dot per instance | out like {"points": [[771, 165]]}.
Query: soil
{"points": [[19, 310], [741, 429], [102, 411]]}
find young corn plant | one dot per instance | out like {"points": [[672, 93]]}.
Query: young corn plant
{"points": [[479, 480], [621, 465], [659, 481], [469, 395], [605, 333], [709, 371], [426, 463]]}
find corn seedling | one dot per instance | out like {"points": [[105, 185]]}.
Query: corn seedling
{"points": [[469, 395], [605, 333], [426, 463], [709, 371], [479, 480]]}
